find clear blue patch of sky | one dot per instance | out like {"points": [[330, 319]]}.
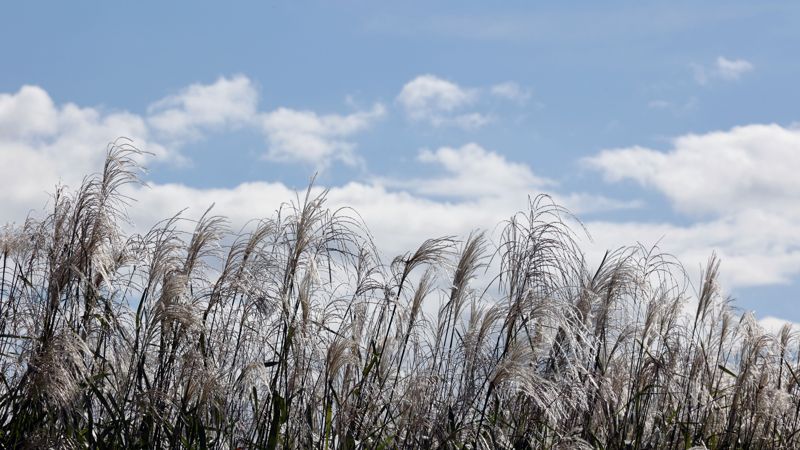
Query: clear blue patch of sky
{"points": [[778, 300]]}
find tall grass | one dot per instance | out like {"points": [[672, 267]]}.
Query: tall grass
{"points": [[294, 334]]}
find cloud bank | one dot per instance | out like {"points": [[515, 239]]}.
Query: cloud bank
{"points": [[736, 188]]}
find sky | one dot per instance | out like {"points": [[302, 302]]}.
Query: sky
{"points": [[664, 123]]}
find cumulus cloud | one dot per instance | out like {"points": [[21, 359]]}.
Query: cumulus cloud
{"points": [[742, 179], [723, 69], [401, 217], [773, 324], [428, 94], [43, 144], [239, 204], [470, 171], [747, 166], [28, 112], [755, 249], [226, 102], [436, 101], [291, 135], [398, 220], [305, 136], [440, 102], [471, 186], [739, 184]]}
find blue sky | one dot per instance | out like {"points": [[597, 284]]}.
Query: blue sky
{"points": [[671, 122]]}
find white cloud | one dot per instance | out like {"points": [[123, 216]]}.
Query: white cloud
{"points": [[511, 91], [585, 203], [398, 220], [773, 325], [439, 102], [429, 94], [239, 204], [43, 144], [473, 172], [723, 69], [434, 100], [29, 112], [292, 135], [305, 136], [473, 188], [754, 249], [226, 102], [742, 183], [733, 69], [717, 172]]}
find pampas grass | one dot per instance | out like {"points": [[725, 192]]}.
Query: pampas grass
{"points": [[294, 334]]}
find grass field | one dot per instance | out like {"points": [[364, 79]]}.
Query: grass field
{"points": [[294, 334]]}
